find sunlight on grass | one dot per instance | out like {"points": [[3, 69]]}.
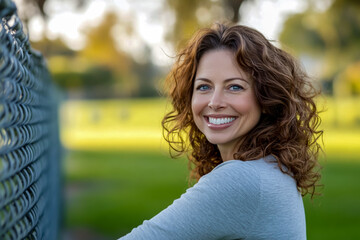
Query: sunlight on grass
{"points": [[134, 124]]}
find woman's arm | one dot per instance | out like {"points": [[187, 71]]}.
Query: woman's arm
{"points": [[221, 205]]}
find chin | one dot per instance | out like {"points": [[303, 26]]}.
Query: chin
{"points": [[217, 141], [223, 140]]}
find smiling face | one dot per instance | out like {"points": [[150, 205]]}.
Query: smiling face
{"points": [[223, 104]]}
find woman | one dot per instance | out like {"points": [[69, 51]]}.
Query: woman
{"points": [[245, 111]]}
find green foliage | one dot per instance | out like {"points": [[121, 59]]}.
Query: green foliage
{"points": [[185, 18], [54, 47], [332, 36], [101, 47], [95, 76], [336, 30], [348, 81], [302, 37], [190, 15], [131, 76], [101, 69]]}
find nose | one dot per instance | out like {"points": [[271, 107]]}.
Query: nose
{"points": [[216, 101]]}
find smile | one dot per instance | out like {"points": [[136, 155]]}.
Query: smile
{"points": [[219, 121]]}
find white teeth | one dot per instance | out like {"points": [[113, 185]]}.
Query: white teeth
{"points": [[218, 121]]}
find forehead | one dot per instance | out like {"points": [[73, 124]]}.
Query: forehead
{"points": [[219, 63]]}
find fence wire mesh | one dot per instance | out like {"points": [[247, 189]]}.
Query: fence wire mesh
{"points": [[29, 148]]}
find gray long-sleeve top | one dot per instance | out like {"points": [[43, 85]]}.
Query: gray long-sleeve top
{"points": [[236, 200]]}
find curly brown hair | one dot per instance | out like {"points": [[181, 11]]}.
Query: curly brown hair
{"points": [[288, 126]]}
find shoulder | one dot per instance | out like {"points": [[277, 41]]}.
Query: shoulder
{"points": [[263, 194], [235, 179], [237, 171], [263, 169], [249, 178]]}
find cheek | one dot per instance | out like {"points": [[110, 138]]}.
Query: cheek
{"points": [[255, 112], [197, 104], [243, 106], [248, 106], [193, 105]]}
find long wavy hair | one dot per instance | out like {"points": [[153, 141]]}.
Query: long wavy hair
{"points": [[288, 126]]}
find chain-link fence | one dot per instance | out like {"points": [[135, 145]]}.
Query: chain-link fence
{"points": [[30, 196]]}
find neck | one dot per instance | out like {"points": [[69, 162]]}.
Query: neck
{"points": [[226, 156], [227, 151]]}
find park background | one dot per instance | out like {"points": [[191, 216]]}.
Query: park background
{"points": [[109, 60]]}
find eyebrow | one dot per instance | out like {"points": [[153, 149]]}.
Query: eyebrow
{"points": [[226, 80]]}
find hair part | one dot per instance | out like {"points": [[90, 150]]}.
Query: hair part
{"points": [[288, 126]]}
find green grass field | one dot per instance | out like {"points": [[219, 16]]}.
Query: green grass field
{"points": [[112, 192], [114, 179], [336, 214]]}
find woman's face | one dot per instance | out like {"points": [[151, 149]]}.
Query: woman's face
{"points": [[223, 104]]}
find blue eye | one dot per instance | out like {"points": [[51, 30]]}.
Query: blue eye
{"points": [[235, 87], [203, 87]]}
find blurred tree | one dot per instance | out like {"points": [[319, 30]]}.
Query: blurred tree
{"points": [[32, 8], [333, 36], [94, 82], [40, 5], [232, 8], [101, 47], [131, 78], [348, 81], [37, 7], [101, 68], [54, 47], [192, 14], [101, 50]]}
